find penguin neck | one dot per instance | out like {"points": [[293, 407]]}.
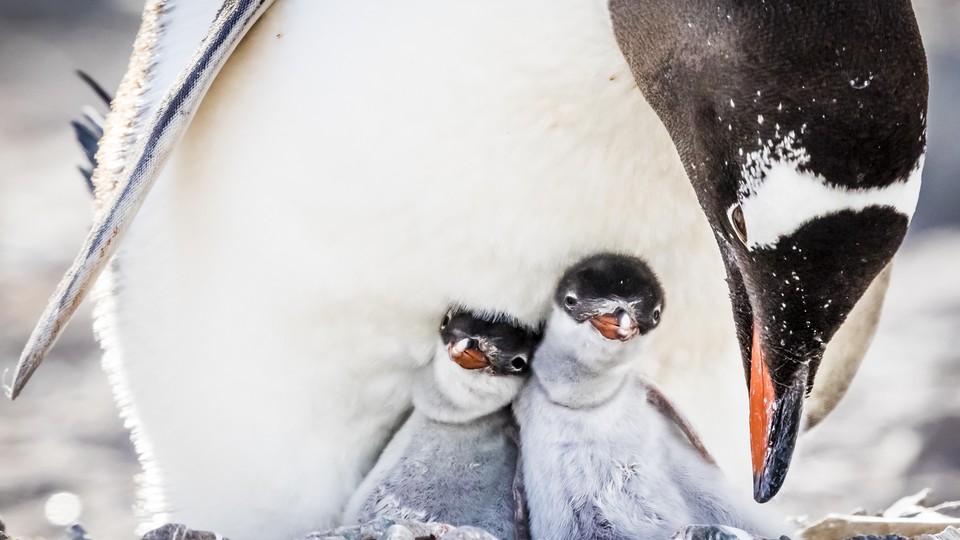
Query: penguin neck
{"points": [[577, 367], [450, 394]]}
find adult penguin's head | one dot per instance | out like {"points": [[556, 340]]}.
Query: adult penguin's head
{"points": [[801, 126]]}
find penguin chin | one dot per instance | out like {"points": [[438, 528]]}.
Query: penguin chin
{"points": [[591, 349], [447, 393]]}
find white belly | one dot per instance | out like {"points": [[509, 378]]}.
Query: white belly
{"points": [[357, 166]]}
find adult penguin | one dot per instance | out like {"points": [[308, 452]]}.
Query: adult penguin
{"points": [[358, 166]]}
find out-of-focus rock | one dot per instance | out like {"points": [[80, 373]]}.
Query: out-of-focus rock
{"points": [[398, 532], [714, 532], [387, 529], [951, 533], [77, 532], [468, 533], [176, 531], [909, 517], [948, 509], [909, 506], [842, 527]]}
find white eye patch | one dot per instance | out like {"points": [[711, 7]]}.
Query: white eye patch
{"points": [[778, 198]]}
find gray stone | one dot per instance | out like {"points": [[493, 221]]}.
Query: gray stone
{"points": [[176, 531]]}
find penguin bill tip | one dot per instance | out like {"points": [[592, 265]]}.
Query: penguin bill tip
{"points": [[470, 358], [611, 327], [774, 435]]}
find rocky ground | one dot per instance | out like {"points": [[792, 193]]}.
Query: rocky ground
{"points": [[64, 454]]}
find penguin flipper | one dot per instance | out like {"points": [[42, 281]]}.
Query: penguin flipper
{"points": [[160, 135], [521, 513], [663, 404]]}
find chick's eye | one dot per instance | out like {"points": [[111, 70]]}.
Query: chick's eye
{"points": [[445, 321], [737, 222], [518, 362], [656, 314], [570, 300]]}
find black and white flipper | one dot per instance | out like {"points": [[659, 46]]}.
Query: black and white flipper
{"points": [[154, 145]]}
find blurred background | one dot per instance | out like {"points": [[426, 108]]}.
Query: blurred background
{"points": [[65, 455]]}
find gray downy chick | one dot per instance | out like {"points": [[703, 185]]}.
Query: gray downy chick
{"points": [[603, 457], [454, 459]]}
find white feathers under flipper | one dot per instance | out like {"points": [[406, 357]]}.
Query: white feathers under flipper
{"points": [[281, 286], [151, 505]]}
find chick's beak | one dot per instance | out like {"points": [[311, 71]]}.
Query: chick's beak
{"points": [[466, 354], [619, 325]]}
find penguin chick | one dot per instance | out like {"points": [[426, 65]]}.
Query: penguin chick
{"points": [[454, 459], [601, 455]]}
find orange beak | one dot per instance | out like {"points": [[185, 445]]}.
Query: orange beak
{"points": [[775, 413], [761, 404], [468, 358], [611, 327]]}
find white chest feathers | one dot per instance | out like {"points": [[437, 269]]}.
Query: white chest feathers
{"points": [[351, 173]]}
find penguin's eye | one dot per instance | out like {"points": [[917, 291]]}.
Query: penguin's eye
{"points": [[445, 321], [570, 300], [737, 222], [518, 362], [656, 314]]}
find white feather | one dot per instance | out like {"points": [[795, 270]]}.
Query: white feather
{"points": [[355, 168]]}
